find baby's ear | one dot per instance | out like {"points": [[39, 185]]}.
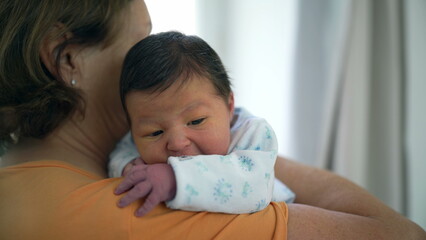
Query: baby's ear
{"points": [[61, 67], [231, 105]]}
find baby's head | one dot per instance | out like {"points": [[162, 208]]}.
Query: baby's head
{"points": [[177, 96]]}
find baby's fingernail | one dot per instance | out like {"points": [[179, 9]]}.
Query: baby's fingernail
{"points": [[118, 191], [139, 213]]}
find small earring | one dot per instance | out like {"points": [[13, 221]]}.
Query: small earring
{"points": [[73, 82]]}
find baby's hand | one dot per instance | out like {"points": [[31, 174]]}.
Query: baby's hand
{"points": [[156, 182], [130, 165]]}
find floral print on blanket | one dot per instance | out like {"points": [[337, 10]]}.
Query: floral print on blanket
{"points": [[246, 163], [222, 191]]}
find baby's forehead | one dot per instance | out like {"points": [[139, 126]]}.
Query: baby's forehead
{"points": [[180, 83], [182, 93]]}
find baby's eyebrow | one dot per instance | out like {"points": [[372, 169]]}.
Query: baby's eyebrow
{"points": [[146, 121], [194, 105]]}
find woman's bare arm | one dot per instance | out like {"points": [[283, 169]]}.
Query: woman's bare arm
{"points": [[331, 207]]}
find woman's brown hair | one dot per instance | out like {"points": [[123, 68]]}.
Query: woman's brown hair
{"points": [[33, 102]]}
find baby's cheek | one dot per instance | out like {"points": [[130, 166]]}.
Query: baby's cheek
{"points": [[220, 147], [154, 157], [147, 151], [224, 149]]}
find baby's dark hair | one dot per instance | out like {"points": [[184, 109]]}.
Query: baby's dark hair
{"points": [[159, 60]]}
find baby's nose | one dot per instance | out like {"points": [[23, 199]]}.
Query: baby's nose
{"points": [[178, 142]]}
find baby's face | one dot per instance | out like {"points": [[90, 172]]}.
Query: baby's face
{"points": [[183, 120]]}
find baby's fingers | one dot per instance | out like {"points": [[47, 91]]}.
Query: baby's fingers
{"points": [[150, 202], [130, 180], [140, 190]]}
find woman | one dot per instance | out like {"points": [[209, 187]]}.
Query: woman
{"points": [[61, 115]]}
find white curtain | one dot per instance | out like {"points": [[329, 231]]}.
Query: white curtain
{"points": [[365, 137], [356, 90], [415, 55], [255, 40], [353, 87]]}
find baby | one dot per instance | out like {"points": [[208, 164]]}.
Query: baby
{"points": [[197, 152]]}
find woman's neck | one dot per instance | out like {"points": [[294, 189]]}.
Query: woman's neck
{"points": [[82, 142]]}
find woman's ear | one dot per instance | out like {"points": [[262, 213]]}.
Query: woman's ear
{"points": [[61, 67]]}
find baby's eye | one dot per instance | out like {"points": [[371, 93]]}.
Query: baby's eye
{"points": [[196, 122], [156, 133]]}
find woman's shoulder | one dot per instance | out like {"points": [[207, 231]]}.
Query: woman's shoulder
{"points": [[47, 175], [57, 200], [49, 181], [39, 166], [48, 197]]}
